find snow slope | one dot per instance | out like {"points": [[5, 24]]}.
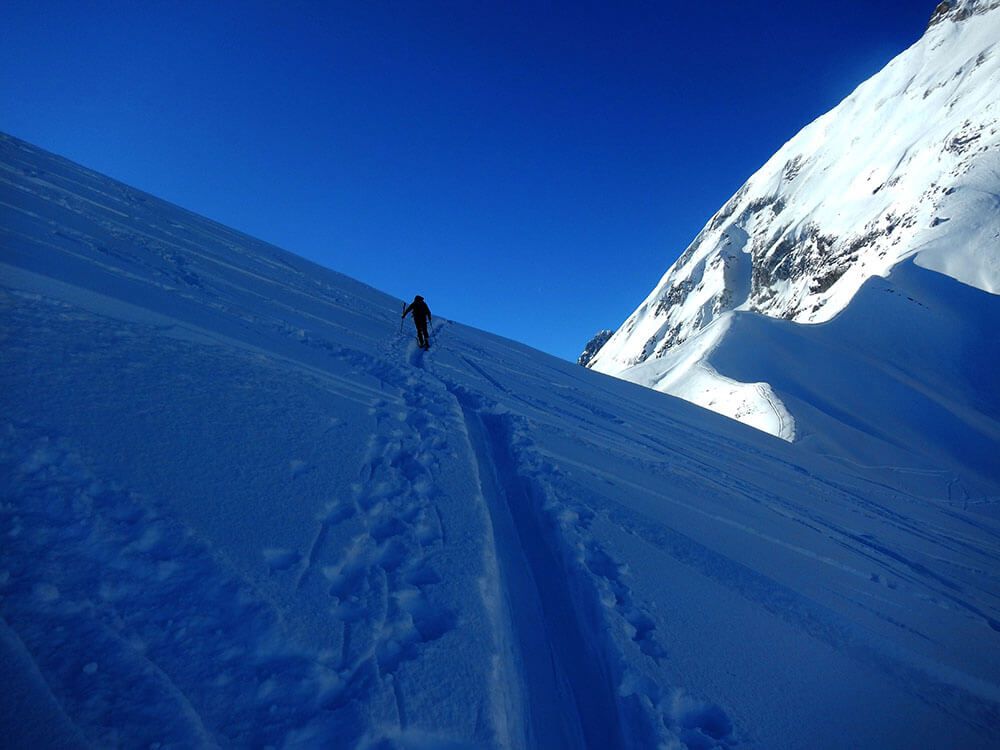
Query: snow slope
{"points": [[907, 167], [905, 377], [239, 508]]}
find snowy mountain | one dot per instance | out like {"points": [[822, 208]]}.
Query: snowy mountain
{"points": [[240, 509], [906, 170]]}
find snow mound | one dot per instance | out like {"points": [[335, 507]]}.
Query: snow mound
{"points": [[687, 372]]}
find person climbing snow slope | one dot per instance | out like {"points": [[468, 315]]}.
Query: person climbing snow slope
{"points": [[421, 317]]}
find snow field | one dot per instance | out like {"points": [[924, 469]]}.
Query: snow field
{"points": [[240, 509]]}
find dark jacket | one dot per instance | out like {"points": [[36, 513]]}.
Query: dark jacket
{"points": [[421, 312]]}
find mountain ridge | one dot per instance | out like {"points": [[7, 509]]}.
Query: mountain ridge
{"points": [[906, 168]]}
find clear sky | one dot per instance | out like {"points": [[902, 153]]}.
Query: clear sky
{"points": [[530, 168]]}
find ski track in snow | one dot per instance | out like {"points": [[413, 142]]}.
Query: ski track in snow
{"points": [[580, 594], [577, 687]]}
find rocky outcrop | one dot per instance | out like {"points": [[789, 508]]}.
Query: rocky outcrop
{"points": [[959, 10], [593, 346]]}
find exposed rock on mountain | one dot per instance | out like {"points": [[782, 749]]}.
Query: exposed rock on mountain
{"points": [[593, 346]]}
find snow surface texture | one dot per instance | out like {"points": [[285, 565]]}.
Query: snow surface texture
{"points": [[240, 509], [907, 167]]}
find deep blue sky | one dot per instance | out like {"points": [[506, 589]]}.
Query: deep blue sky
{"points": [[530, 168]]}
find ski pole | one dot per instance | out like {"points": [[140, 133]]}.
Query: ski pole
{"points": [[401, 318]]}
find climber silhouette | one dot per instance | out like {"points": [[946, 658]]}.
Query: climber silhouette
{"points": [[421, 317]]}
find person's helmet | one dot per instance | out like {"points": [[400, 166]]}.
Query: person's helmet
{"points": [[418, 298]]}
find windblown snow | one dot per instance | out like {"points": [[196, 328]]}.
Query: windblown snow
{"points": [[240, 509], [906, 170]]}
